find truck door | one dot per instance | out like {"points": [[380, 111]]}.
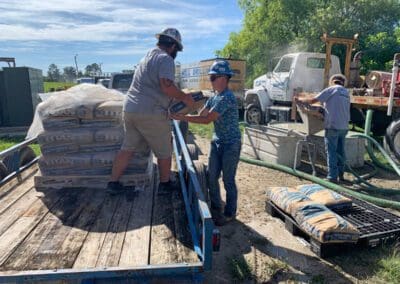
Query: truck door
{"points": [[279, 78]]}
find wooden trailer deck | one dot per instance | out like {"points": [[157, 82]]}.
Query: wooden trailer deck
{"points": [[87, 228]]}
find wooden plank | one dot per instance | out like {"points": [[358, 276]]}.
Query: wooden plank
{"points": [[184, 242], [18, 259], [17, 180], [61, 249], [163, 245], [21, 228], [66, 216], [12, 213], [90, 250], [111, 250], [10, 197], [135, 251]]}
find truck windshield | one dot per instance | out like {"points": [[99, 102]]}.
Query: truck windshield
{"points": [[122, 81], [284, 65]]}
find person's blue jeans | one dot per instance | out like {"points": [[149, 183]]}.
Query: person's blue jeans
{"points": [[225, 158], [335, 153]]}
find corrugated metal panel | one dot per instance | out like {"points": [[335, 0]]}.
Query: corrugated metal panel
{"points": [[19, 99]]}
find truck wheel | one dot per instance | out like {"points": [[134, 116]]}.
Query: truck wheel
{"points": [[253, 115], [392, 139], [3, 171], [201, 173], [193, 151], [184, 128], [26, 155]]}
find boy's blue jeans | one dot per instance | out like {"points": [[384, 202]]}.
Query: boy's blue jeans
{"points": [[335, 153], [225, 158]]}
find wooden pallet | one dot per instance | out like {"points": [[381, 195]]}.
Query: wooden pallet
{"points": [[139, 180]]}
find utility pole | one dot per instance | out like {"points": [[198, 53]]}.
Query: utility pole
{"points": [[76, 65]]}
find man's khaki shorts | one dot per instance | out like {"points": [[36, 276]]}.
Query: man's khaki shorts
{"points": [[154, 130]]}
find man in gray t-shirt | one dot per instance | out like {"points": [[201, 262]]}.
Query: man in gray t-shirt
{"points": [[336, 103], [145, 110]]}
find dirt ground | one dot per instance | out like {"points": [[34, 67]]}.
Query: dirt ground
{"points": [[274, 255]]}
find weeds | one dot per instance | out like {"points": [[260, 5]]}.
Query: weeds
{"points": [[389, 267], [275, 267], [240, 269]]}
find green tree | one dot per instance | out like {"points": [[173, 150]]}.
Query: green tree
{"points": [[275, 27], [53, 73], [69, 73], [92, 69]]}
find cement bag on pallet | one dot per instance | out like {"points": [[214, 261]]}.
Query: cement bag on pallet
{"points": [[109, 109], [78, 136], [72, 107], [61, 149], [327, 197], [322, 224], [285, 197]]}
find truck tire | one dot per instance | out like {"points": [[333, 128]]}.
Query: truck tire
{"points": [[253, 115], [193, 151], [26, 154], [392, 139], [184, 128], [201, 173], [3, 171]]}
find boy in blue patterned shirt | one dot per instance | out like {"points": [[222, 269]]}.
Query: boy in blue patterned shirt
{"points": [[222, 110]]}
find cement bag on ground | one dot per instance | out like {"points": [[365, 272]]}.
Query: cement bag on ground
{"points": [[78, 100], [329, 198], [78, 136], [285, 197], [322, 224]]}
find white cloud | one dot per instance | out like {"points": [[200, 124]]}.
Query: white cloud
{"points": [[95, 20]]}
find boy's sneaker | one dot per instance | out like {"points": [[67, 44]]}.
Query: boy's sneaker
{"points": [[229, 218], [115, 187], [166, 187]]}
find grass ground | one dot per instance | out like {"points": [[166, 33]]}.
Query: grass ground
{"points": [[54, 86], [6, 143]]}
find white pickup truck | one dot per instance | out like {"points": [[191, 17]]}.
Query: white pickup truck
{"points": [[271, 95]]}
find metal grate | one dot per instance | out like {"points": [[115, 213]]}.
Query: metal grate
{"points": [[369, 219]]}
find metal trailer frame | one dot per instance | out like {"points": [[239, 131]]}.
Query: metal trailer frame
{"points": [[199, 220]]}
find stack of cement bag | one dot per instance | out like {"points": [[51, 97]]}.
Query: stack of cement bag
{"points": [[79, 132]]}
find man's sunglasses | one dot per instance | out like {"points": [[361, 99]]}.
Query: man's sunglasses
{"points": [[214, 77]]}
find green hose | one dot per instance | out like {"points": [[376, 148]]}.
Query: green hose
{"points": [[335, 187], [367, 131]]}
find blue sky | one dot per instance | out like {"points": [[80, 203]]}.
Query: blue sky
{"points": [[114, 33]]}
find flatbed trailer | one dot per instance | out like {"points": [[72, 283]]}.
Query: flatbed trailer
{"points": [[79, 235]]}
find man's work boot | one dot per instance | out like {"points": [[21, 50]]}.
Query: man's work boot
{"points": [[166, 187], [115, 187]]}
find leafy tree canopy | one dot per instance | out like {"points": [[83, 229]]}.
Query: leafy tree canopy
{"points": [[272, 28]]}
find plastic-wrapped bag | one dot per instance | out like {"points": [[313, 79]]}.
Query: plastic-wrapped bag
{"points": [[71, 106]]}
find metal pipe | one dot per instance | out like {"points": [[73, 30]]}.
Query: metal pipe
{"points": [[395, 70]]}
